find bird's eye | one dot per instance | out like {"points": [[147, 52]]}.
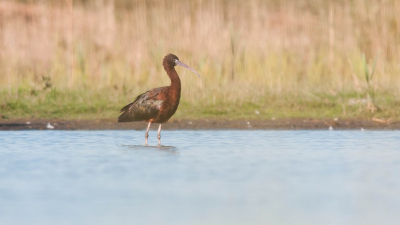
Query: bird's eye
{"points": [[175, 60]]}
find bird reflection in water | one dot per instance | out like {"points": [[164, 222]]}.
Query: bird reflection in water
{"points": [[170, 149]]}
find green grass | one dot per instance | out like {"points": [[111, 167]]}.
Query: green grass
{"points": [[84, 104]]}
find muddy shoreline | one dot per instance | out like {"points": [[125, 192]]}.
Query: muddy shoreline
{"points": [[279, 124]]}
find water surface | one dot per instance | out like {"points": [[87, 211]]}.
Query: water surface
{"points": [[200, 177]]}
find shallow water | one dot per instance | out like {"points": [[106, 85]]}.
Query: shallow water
{"points": [[200, 177]]}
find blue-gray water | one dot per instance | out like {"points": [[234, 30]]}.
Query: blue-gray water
{"points": [[200, 177]]}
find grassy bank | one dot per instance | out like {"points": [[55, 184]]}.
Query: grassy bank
{"points": [[86, 59], [83, 104]]}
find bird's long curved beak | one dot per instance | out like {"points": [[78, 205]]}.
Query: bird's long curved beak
{"points": [[179, 63]]}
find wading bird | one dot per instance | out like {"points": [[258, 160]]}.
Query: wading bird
{"points": [[158, 104]]}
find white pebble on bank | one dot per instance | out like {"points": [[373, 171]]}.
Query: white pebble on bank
{"points": [[49, 126]]}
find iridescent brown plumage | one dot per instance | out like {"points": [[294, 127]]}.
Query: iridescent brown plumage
{"points": [[158, 104]]}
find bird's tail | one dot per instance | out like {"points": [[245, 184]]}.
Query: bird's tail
{"points": [[125, 116]]}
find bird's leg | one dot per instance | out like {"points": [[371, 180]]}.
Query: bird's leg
{"points": [[147, 133], [159, 135]]}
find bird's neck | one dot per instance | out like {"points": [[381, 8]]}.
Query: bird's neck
{"points": [[175, 81]]}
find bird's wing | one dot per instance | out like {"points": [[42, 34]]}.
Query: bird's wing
{"points": [[145, 107]]}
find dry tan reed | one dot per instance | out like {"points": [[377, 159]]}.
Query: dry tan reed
{"points": [[245, 50]]}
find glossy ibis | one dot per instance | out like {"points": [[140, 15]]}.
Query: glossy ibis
{"points": [[158, 104]]}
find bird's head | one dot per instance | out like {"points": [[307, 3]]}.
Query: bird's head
{"points": [[172, 60]]}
